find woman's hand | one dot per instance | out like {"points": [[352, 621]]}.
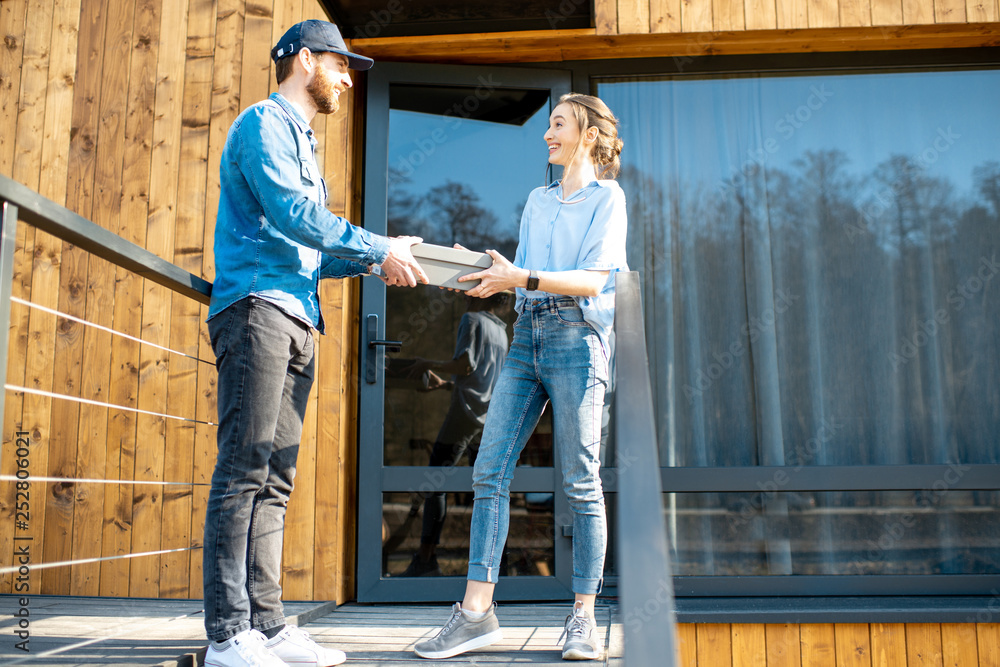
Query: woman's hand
{"points": [[500, 277]]}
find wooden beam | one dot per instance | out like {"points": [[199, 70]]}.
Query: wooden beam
{"points": [[586, 44]]}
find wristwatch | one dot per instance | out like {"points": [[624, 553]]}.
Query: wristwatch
{"points": [[532, 281]]}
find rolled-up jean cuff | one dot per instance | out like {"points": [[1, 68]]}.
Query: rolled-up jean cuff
{"points": [[587, 586], [490, 575], [225, 635]]}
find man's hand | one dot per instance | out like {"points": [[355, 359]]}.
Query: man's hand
{"points": [[399, 267]]}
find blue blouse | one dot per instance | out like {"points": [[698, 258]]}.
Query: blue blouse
{"points": [[587, 234]]}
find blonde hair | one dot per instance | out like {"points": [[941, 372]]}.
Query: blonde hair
{"points": [[591, 111]]}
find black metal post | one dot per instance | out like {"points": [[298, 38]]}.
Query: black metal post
{"points": [[8, 240], [645, 583]]}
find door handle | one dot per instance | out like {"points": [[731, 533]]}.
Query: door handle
{"points": [[371, 353]]}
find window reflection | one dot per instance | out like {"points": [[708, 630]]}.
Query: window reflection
{"points": [[827, 533], [459, 172], [529, 550], [819, 256]]}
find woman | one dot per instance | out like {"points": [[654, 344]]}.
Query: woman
{"points": [[572, 241]]}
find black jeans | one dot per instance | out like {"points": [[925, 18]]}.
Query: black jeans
{"points": [[265, 363]]}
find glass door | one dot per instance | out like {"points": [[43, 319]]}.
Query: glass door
{"points": [[451, 155]]}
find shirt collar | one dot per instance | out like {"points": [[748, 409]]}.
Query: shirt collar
{"points": [[293, 113], [554, 185]]}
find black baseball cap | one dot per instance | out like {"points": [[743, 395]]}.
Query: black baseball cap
{"points": [[317, 36]]}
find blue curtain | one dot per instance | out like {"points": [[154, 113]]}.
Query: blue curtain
{"points": [[820, 256]]}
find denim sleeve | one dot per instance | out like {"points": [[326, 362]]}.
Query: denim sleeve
{"points": [[335, 267], [267, 156], [603, 247]]}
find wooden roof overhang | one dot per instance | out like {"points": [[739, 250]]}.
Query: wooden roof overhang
{"points": [[587, 44]]}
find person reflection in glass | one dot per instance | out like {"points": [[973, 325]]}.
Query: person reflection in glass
{"points": [[475, 367]]}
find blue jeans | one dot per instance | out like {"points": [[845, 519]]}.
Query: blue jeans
{"points": [[265, 363], [555, 356]]}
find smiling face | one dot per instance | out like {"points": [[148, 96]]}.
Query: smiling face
{"points": [[563, 135], [330, 78]]}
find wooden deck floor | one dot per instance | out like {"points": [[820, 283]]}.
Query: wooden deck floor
{"points": [[108, 631]]}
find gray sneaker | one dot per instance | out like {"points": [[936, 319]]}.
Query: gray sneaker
{"points": [[461, 634], [582, 639]]}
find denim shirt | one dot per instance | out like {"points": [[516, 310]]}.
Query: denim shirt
{"points": [[274, 237], [586, 234]]}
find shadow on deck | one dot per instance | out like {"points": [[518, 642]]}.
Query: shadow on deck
{"points": [[170, 633]]}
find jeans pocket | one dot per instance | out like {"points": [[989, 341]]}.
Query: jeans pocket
{"points": [[571, 314], [219, 329]]}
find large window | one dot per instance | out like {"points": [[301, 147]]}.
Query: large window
{"points": [[820, 255]]}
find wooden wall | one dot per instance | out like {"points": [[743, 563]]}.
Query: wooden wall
{"points": [[842, 644], [622, 17], [118, 109]]}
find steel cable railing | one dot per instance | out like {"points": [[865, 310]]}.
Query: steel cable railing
{"points": [[645, 581], [19, 203]]}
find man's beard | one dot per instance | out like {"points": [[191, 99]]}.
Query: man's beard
{"points": [[323, 92]]}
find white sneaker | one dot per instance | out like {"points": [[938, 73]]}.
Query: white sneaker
{"points": [[297, 648], [246, 649]]}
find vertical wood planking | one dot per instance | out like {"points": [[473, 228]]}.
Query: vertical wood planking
{"points": [[351, 318], [40, 371], [923, 645], [959, 644], [331, 390], [824, 13], [185, 317], [981, 11], [126, 219], [817, 644], [888, 644], [225, 105], [887, 12], [286, 14], [12, 18], [147, 501], [633, 17], [988, 638], [87, 433], [606, 17], [761, 14], [715, 644], [857, 12], [70, 351], [696, 15], [727, 15], [687, 645], [29, 128], [792, 14], [782, 640], [664, 16], [918, 12], [254, 80], [749, 644], [852, 645], [949, 11]]}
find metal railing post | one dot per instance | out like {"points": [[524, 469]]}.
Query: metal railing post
{"points": [[8, 240], [645, 583]]}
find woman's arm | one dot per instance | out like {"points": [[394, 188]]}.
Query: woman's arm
{"points": [[505, 276]]}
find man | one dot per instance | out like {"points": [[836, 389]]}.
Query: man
{"points": [[274, 241]]}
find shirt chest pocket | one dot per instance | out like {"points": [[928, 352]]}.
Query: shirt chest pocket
{"points": [[309, 174]]}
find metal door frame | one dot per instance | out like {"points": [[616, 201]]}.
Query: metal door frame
{"points": [[374, 478]]}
